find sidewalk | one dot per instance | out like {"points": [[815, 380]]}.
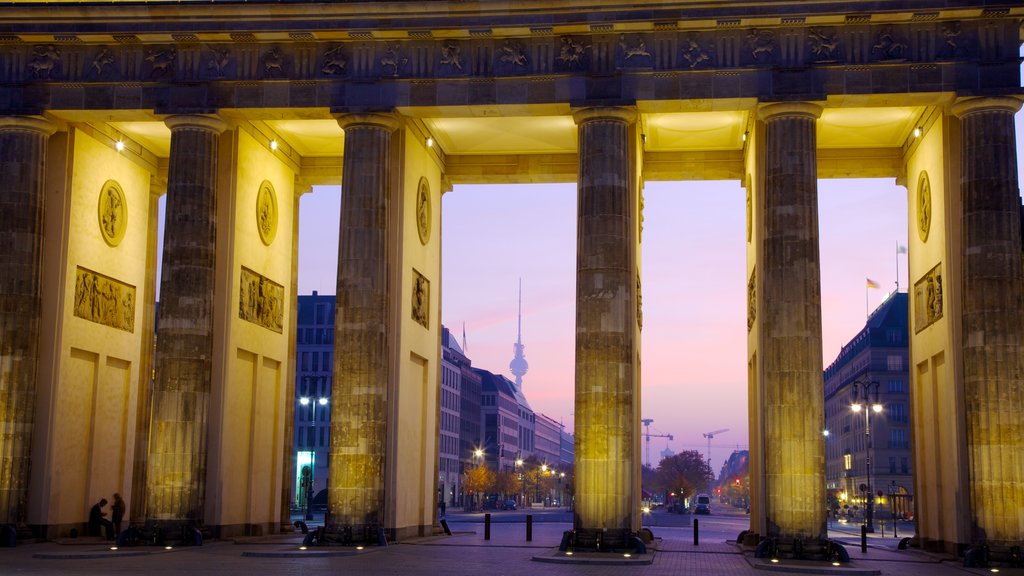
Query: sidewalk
{"points": [[466, 552]]}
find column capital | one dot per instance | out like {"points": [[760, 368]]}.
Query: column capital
{"points": [[966, 106], [777, 109], [625, 114], [28, 124], [196, 122], [387, 121]]}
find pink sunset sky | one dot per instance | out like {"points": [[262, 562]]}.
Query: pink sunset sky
{"points": [[694, 288]]}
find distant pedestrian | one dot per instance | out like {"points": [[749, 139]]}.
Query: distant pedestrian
{"points": [[441, 506], [117, 512], [97, 520]]}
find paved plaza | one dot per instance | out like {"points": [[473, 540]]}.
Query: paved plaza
{"points": [[466, 552]]}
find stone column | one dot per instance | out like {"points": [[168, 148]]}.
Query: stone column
{"points": [[607, 391], [22, 158], [993, 318], [362, 331], [793, 413], [176, 471]]}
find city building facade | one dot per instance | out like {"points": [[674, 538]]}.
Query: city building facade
{"points": [[501, 424], [867, 452], [450, 445], [314, 369]]}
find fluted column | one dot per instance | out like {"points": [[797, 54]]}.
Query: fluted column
{"points": [[361, 355], [789, 271], [607, 394], [176, 471], [993, 318], [22, 159]]}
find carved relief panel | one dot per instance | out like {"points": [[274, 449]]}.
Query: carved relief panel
{"points": [[104, 300], [420, 299], [261, 301], [928, 299]]}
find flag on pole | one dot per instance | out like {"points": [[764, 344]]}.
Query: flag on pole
{"points": [[872, 283], [901, 249]]}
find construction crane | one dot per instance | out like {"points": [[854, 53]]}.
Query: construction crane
{"points": [[709, 436], [647, 434]]}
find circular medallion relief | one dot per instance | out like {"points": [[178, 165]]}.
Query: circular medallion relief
{"points": [[112, 212], [924, 207], [423, 211], [266, 212]]}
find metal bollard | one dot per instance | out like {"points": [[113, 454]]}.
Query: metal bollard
{"points": [[487, 526], [696, 532], [529, 527], [863, 538]]}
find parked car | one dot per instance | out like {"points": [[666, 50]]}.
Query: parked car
{"points": [[509, 504]]}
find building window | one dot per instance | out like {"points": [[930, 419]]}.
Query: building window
{"points": [[897, 386], [847, 461], [892, 464], [905, 465], [894, 363], [897, 412], [898, 438]]}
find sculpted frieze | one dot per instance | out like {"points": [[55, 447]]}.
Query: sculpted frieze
{"points": [[160, 60], [451, 55], [513, 55], [761, 43], [928, 299], [45, 62], [104, 300], [634, 51], [888, 47], [824, 45], [420, 299], [333, 61], [572, 54], [220, 57], [261, 301], [697, 55], [362, 57], [101, 62]]}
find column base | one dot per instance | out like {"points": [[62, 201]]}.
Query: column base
{"points": [[801, 549]]}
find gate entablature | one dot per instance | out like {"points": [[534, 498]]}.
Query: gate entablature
{"points": [[195, 58]]}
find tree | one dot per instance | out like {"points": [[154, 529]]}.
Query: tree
{"points": [[507, 483], [685, 474], [478, 480]]}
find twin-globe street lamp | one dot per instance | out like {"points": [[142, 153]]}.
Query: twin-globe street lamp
{"points": [[865, 393], [307, 479]]}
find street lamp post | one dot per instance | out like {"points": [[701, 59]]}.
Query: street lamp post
{"points": [[305, 401], [865, 394], [519, 475]]}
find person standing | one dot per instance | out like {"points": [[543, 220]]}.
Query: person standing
{"points": [[117, 512], [96, 520]]}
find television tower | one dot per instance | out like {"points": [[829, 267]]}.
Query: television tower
{"points": [[518, 366]]}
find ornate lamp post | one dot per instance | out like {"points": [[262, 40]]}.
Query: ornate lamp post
{"points": [[865, 393]]}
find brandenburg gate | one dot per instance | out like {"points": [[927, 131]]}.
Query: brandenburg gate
{"points": [[233, 110]]}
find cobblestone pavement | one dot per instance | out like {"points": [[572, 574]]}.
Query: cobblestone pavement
{"points": [[465, 552]]}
